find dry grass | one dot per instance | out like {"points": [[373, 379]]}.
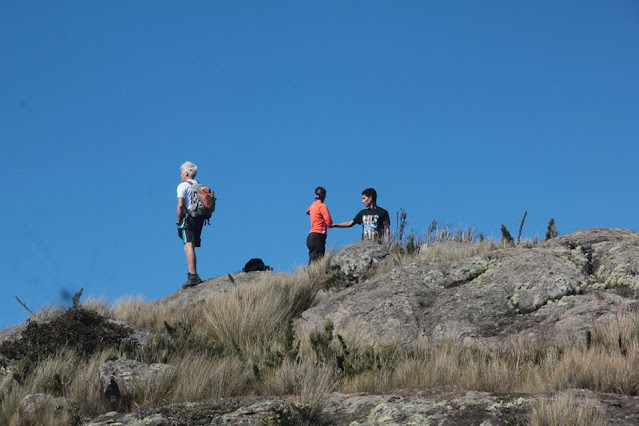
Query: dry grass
{"points": [[606, 366], [565, 409], [453, 251], [48, 313], [98, 305], [249, 323], [289, 294], [152, 316], [58, 375], [251, 317], [309, 381], [198, 378]]}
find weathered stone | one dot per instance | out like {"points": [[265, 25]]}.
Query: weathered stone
{"points": [[358, 260], [546, 294], [609, 256], [437, 406], [125, 376], [35, 403], [12, 333]]}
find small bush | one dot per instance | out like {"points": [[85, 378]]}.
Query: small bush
{"points": [[293, 414], [506, 238], [83, 331], [551, 232]]}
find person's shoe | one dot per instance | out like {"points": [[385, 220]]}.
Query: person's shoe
{"points": [[192, 280]]}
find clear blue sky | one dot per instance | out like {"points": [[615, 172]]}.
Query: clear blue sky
{"points": [[468, 112]]}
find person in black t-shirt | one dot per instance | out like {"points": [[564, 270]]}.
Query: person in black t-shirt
{"points": [[375, 220]]}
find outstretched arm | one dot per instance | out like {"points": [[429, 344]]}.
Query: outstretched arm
{"points": [[343, 224]]}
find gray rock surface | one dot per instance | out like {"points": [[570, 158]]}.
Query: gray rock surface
{"points": [[547, 294], [435, 406], [125, 376], [192, 295], [358, 260], [8, 335], [12, 333], [610, 257], [34, 403]]}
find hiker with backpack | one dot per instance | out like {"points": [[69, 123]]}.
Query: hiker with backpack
{"points": [[196, 204], [320, 222], [375, 220]]}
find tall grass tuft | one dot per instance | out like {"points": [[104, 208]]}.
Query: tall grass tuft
{"points": [[64, 374], [249, 318], [566, 409]]}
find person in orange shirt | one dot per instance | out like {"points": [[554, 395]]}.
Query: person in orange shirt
{"points": [[320, 222]]}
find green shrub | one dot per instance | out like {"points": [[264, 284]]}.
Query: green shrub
{"points": [[551, 232], [293, 415], [506, 238]]}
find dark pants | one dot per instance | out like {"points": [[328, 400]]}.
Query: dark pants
{"points": [[316, 244], [190, 230]]}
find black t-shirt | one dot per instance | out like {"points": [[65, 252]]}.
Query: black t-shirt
{"points": [[374, 223]]}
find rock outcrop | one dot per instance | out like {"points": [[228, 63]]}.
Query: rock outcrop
{"points": [[609, 257], [360, 259], [436, 406], [545, 294]]}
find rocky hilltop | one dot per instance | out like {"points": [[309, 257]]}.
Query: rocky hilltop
{"points": [[554, 298], [545, 294]]}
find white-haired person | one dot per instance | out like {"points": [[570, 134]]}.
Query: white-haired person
{"points": [[189, 228]]}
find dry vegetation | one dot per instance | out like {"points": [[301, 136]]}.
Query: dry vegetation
{"points": [[566, 410], [243, 342]]}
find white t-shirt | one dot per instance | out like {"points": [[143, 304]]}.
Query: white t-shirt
{"points": [[184, 190]]}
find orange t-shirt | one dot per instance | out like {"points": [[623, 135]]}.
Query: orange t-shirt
{"points": [[320, 217]]}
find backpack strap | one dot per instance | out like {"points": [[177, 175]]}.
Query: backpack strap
{"points": [[193, 185]]}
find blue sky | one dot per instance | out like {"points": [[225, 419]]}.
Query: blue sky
{"points": [[463, 112]]}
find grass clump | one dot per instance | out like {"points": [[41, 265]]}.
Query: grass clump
{"points": [[249, 318], [566, 409], [347, 360]]}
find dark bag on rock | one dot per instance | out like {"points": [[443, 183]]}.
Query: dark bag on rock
{"points": [[255, 265]]}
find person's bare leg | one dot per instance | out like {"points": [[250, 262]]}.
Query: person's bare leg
{"points": [[191, 260]]}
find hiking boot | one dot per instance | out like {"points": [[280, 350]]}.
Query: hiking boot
{"points": [[192, 280]]}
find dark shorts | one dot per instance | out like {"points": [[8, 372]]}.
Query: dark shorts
{"points": [[190, 230], [316, 244]]}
